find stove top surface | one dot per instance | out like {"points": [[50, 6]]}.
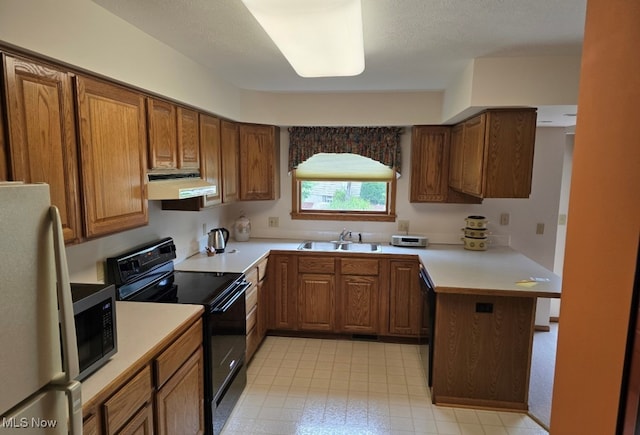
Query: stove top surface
{"points": [[201, 287]]}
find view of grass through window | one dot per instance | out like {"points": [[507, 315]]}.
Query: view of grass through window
{"points": [[344, 195]]}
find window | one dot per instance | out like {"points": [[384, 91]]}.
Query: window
{"points": [[343, 186]]}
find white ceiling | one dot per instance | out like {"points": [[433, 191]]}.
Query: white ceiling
{"points": [[410, 45]]}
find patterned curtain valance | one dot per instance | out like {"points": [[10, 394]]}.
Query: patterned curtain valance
{"points": [[378, 143]]}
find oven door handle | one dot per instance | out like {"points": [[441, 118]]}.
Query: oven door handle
{"points": [[223, 306]]}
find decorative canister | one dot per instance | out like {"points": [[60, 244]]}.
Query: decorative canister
{"points": [[476, 222], [242, 229], [474, 244]]}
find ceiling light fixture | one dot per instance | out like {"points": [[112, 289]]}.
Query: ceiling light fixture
{"points": [[319, 38]]}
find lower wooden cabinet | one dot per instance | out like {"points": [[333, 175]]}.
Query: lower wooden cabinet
{"points": [[282, 292], [179, 403], [405, 300], [257, 308], [359, 304], [163, 396], [316, 302]]}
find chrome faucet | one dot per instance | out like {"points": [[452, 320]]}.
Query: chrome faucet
{"points": [[344, 234]]}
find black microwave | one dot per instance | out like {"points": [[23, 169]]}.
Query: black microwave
{"points": [[94, 310]]}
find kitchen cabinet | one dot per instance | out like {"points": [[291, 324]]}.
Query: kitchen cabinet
{"points": [[282, 291], [432, 146], [405, 300], [259, 162], [211, 161], [112, 131], [455, 157], [316, 294], [495, 159], [41, 135], [167, 383], [173, 136], [359, 295], [230, 156], [256, 307]]}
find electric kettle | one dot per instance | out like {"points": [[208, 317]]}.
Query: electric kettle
{"points": [[218, 238]]}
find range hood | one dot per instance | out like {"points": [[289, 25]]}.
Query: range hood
{"points": [[178, 185]]}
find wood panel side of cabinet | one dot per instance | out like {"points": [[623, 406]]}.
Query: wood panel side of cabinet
{"points": [[429, 163], [404, 299], [4, 150], [230, 154], [316, 302], [509, 147], [161, 120], [483, 350], [188, 138], [211, 158], [41, 133], [283, 294], [113, 157], [259, 162], [456, 156]]}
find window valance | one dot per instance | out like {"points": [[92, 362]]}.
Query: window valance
{"points": [[378, 143]]}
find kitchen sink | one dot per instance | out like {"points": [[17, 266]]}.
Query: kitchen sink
{"points": [[313, 245]]}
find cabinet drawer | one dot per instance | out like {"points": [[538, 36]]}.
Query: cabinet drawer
{"points": [[359, 266], [252, 276], [127, 401], [251, 297], [252, 318], [171, 359], [262, 269], [316, 265]]}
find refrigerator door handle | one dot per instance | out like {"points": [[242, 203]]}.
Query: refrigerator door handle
{"points": [[67, 320], [73, 392]]}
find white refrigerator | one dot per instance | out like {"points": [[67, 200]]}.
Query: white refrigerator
{"points": [[38, 351]]}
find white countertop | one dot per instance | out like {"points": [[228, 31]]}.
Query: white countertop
{"points": [[141, 328], [451, 267]]}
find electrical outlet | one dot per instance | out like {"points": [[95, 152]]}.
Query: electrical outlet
{"points": [[403, 226], [100, 271], [562, 219], [540, 228], [204, 229], [504, 219], [273, 222]]}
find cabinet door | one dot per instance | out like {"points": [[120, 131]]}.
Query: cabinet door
{"points": [[113, 156], [456, 156], [230, 151], [180, 402], [473, 155], [210, 151], [162, 134], [316, 296], [283, 298], [509, 157], [188, 139], [404, 300], [259, 162], [429, 164], [141, 424], [41, 134], [359, 304]]}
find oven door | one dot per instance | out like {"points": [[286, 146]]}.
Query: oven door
{"points": [[225, 336]]}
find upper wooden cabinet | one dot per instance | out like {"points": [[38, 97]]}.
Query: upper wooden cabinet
{"points": [[495, 159], [429, 171], [113, 148], [259, 162], [42, 145], [211, 159], [230, 156], [432, 146], [173, 136]]}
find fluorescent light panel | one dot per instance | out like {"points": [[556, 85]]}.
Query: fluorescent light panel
{"points": [[319, 38]]}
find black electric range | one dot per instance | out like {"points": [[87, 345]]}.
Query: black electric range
{"points": [[147, 274]]}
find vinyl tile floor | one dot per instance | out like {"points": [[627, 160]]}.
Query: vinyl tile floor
{"points": [[319, 387]]}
